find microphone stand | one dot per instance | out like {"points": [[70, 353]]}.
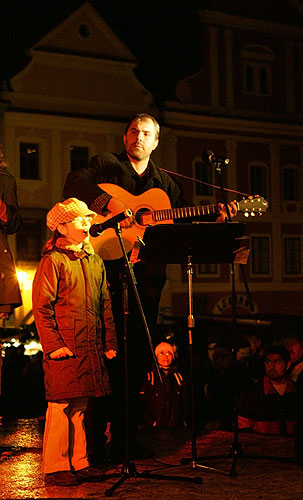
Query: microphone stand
{"points": [[236, 449], [128, 468]]}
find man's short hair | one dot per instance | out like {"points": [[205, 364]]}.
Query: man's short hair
{"points": [[143, 116], [279, 349]]}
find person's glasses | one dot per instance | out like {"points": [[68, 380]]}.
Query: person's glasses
{"points": [[85, 218], [277, 362]]}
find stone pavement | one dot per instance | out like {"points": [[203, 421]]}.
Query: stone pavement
{"points": [[256, 478]]}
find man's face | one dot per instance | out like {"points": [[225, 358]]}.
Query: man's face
{"points": [[255, 343], [294, 348], [141, 139], [243, 354], [275, 367]]}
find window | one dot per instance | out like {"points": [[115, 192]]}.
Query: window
{"points": [[257, 79], [84, 30], [78, 157], [204, 173], [292, 255], [29, 161], [291, 184], [260, 255], [258, 180], [257, 70]]}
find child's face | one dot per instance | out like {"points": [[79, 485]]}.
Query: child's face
{"points": [[165, 357], [77, 230]]}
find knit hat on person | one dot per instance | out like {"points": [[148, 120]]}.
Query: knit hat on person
{"points": [[166, 346], [66, 211]]}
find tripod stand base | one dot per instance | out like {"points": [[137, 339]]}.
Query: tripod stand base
{"points": [[129, 471]]}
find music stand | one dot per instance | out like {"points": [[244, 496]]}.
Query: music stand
{"points": [[202, 242], [128, 468]]}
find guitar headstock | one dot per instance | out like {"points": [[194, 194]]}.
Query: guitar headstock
{"points": [[253, 205]]}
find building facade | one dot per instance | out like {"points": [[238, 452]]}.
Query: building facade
{"points": [[76, 94]]}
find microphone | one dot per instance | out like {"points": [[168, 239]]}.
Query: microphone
{"points": [[210, 157], [97, 229]]}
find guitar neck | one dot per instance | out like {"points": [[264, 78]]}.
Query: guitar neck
{"points": [[184, 212]]}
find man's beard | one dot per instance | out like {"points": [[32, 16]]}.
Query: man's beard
{"points": [[137, 154]]}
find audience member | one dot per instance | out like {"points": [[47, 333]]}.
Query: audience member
{"points": [[257, 356], [164, 404], [10, 220], [243, 351], [273, 405], [294, 344], [219, 388]]}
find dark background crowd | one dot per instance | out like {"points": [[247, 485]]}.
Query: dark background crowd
{"points": [[225, 370]]}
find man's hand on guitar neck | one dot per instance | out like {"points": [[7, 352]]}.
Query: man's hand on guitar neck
{"points": [[116, 206], [222, 211]]}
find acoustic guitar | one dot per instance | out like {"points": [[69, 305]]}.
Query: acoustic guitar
{"points": [[150, 208]]}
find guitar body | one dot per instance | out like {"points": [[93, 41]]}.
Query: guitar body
{"points": [[107, 243]]}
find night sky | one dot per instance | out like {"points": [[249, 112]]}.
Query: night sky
{"points": [[162, 34]]}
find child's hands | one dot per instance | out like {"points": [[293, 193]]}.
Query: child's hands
{"points": [[63, 352], [110, 354]]}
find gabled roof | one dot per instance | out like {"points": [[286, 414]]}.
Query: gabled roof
{"points": [[85, 33]]}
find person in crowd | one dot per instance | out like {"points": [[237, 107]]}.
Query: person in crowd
{"points": [[164, 404], [10, 221], [134, 171], [74, 320], [223, 376], [294, 344], [243, 355], [272, 406], [257, 356], [218, 388], [243, 351]]}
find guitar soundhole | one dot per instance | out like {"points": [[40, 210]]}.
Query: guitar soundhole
{"points": [[139, 216]]}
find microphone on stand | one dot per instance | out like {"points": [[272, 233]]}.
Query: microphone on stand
{"points": [[97, 229], [210, 157]]}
